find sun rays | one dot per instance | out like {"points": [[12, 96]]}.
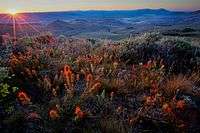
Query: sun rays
{"points": [[19, 24], [12, 11]]}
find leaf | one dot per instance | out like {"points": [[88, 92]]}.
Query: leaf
{"points": [[4, 89], [103, 94], [14, 89]]}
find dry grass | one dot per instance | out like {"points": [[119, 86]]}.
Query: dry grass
{"points": [[195, 78], [175, 83]]}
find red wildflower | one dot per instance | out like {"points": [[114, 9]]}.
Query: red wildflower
{"points": [[96, 87], [180, 104], [53, 114], [67, 68], [89, 77], [23, 98], [67, 71], [166, 108], [150, 100], [79, 113], [146, 66], [68, 75], [154, 85], [154, 88]]}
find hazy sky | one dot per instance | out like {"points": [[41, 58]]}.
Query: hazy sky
{"points": [[64, 5]]}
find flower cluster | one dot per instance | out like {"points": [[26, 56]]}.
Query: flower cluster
{"points": [[23, 98], [76, 79], [53, 114], [79, 113]]}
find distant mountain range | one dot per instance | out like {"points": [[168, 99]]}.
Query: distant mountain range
{"points": [[45, 17], [196, 12], [116, 24]]}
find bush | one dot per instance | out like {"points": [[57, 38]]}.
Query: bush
{"points": [[178, 55]]}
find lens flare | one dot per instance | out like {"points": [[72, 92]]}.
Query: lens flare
{"points": [[12, 12]]}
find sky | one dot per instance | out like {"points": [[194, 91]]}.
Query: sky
{"points": [[66, 5]]}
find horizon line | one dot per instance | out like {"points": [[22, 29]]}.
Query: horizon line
{"points": [[85, 10]]}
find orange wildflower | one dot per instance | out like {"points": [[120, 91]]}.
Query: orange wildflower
{"points": [[166, 108], [67, 72], [68, 75], [67, 68], [89, 77], [53, 114], [23, 98], [180, 104], [96, 87], [150, 100], [154, 85], [79, 113], [146, 66]]}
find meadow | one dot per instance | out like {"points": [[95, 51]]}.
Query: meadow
{"points": [[145, 83]]}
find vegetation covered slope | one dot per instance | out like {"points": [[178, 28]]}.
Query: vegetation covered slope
{"points": [[148, 83]]}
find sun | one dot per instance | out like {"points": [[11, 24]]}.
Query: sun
{"points": [[12, 12]]}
